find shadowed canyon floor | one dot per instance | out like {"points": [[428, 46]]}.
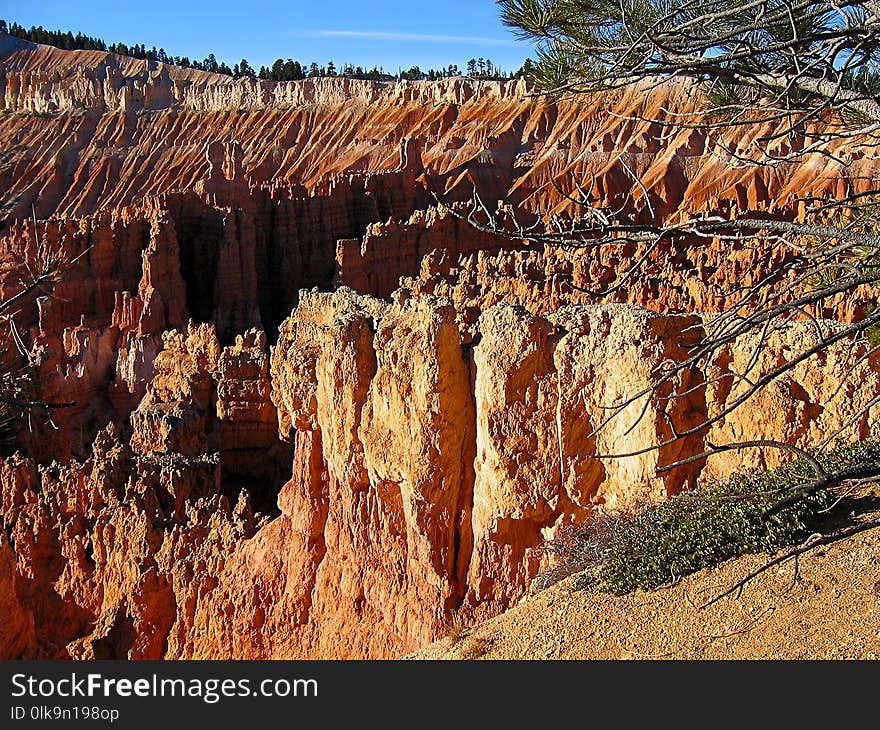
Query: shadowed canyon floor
{"points": [[316, 413]]}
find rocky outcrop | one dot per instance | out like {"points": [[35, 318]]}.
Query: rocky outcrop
{"points": [[17, 638], [111, 553], [428, 470], [429, 244], [70, 151], [207, 399], [43, 79], [336, 180], [225, 254], [822, 400], [178, 409], [251, 464], [427, 473]]}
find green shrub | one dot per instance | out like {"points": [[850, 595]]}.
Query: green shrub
{"points": [[705, 527]]}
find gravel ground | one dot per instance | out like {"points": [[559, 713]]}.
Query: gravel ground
{"points": [[829, 609]]}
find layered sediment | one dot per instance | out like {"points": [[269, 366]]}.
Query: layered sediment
{"points": [[311, 410]]}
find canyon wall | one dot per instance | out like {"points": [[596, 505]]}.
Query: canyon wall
{"points": [[310, 409], [71, 148], [426, 475]]}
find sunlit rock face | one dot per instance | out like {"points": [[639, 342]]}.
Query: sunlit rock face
{"points": [[314, 411]]}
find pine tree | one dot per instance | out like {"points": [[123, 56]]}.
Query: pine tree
{"points": [[809, 72], [293, 70], [527, 69]]}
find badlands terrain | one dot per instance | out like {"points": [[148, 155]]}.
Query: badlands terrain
{"points": [[316, 414]]}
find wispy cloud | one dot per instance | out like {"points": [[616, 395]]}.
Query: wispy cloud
{"points": [[416, 37]]}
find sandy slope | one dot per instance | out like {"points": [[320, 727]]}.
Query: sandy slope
{"points": [[831, 611]]}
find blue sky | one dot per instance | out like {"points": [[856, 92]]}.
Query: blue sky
{"points": [[389, 33]]}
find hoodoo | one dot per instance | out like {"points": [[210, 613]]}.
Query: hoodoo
{"points": [[311, 409]]}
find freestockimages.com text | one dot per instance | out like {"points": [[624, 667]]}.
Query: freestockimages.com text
{"points": [[209, 690]]}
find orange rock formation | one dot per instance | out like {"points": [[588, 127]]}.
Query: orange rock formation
{"points": [[275, 449]]}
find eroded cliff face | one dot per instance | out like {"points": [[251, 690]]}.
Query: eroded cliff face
{"points": [[426, 475], [340, 181], [316, 412]]}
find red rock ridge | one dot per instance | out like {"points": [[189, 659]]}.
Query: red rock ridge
{"points": [[426, 475], [257, 466]]}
